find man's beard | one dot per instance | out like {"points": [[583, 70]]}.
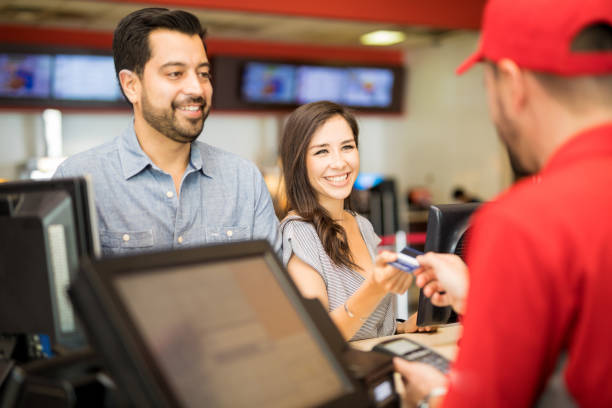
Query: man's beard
{"points": [[507, 131], [166, 122]]}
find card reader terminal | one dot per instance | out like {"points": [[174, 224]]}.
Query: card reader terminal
{"points": [[413, 351]]}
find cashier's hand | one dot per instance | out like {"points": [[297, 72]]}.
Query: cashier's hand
{"points": [[387, 277], [410, 326], [444, 278], [419, 379]]}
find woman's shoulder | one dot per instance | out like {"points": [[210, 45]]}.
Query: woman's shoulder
{"points": [[362, 221], [300, 237], [293, 222], [366, 228], [292, 217]]}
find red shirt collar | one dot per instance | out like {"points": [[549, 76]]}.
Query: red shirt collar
{"points": [[587, 144]]}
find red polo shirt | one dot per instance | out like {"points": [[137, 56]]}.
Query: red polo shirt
{"points": [[540, 260]]}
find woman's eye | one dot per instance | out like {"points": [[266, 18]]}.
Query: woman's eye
{"points": [[348, 147], [174, 74], [320, 151]]}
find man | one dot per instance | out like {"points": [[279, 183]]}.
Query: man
{"points": [[155, 185], [537, 321]]}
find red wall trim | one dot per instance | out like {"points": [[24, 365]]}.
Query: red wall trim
{"points": [[55, 36], [301, 52], [20, 35], [436, 13]]}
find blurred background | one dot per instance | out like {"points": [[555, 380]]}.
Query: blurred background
{"points": [[424, 132]]}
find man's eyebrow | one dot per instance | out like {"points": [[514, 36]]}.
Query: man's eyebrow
{"points": [[182, 64]]}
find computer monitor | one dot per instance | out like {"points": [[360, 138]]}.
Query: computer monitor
{"points": [[374, 197], [45, 226], [80, 190], [220, 325], [447, 231]]}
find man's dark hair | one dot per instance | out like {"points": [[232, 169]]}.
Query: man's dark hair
{"points": [[594, 38], [578, 92], [581, 91], [131, 48]]}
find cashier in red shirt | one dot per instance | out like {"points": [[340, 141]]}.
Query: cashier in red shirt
{"points": [[536, 294]]}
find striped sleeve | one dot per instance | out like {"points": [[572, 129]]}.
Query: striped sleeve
{"points": [[301, 239]]}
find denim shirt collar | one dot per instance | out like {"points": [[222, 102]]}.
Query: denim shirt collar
{"points": [[134, 159]]}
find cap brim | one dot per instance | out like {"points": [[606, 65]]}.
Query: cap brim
{"points": [[471, 60]]}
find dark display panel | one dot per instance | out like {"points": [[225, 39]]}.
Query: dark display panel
{"points": [[246, 84], [58, 79]]}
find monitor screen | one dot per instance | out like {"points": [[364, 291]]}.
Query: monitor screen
{"points": [[318, 83], [25, 75], [288, 85], [368, 87], [447, 232], [58, 79], [358, 87], [268, 83], [80, 190], [45, 226], [222, 325], [37, 261], [85, 77]]}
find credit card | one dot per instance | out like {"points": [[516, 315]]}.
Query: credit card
{"points": [[406, 260]]}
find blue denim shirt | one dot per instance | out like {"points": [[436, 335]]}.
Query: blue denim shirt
{"points": [[222, 198]]}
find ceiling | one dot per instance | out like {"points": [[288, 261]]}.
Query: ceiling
{"points": [[317, 22]]}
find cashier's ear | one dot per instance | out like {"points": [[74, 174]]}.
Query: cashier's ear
{"points": [[512, 86], [130, 83]]}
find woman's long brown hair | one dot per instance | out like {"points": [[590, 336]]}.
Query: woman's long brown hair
{"points": [[297, 134]]}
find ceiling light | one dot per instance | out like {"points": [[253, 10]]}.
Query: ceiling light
{"points": [[382, 37]]}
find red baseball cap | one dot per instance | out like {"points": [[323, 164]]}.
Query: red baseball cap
{"points": [[537, 35]]}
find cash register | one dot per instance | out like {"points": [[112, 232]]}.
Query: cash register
{"points": [[221, 325]]}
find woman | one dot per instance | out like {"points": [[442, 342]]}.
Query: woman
{"points": [[329, 251]]}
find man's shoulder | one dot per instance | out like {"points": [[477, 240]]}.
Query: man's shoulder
{"points": [[221, 154], [530, 203], [223, 159], [81, 162]]}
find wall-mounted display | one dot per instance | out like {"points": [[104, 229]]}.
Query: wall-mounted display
{"points": [[245, 84], [25, 75], [84, 80], [59, 80], [268, 83]]}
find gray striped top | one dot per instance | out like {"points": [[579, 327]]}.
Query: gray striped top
{"points": [[300, 238]]}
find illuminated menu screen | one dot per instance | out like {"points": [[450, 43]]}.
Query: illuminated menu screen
{"points": [[25, 75], [85, 77]]}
